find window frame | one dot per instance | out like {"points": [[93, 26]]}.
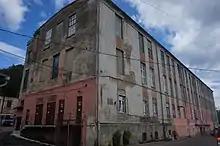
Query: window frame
{"points": [[118, 59], [48, 38], [150, 49], [55, 70], [146, 107], [141, 43], [153, 80], [154, 104], [143, 73], [119, 19], [71, 25], [26, 79], [122, 108]]}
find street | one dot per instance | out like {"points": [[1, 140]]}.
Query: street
{"points": [[198, 141]]}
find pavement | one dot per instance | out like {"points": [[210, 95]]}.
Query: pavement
{"points": [[196, 141]]}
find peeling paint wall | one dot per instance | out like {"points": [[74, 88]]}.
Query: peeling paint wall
{"points": [[83, 43]]}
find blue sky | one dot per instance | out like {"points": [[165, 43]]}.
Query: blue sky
{"points": [[190, 35]]}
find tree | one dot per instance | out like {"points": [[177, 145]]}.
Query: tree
{"points": [[13, 87]]}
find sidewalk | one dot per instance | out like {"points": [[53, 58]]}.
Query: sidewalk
{"points": [[163, 143]]}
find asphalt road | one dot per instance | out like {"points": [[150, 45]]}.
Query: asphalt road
{"points": [[198, 141]]}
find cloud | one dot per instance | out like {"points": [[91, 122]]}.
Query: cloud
{"points": [[61, 3], [41, 23], [12, 13], [195, 27], [38, 2], [13, 50], [43, 14]]}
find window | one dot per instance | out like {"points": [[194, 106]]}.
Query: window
{"points": [[174, 111], [26, 79], [174, 72], [72, 25], [150, 53], [29, 55], [48, 38], [118, 27], [141, 42], [27, 116], [122, 104], [155, 107], [59, 31], [153, 84], [171, 87], [120, 62], [165, 84], [55, 69], [9, 103], [146, 108], [168, 63], [44, 70], [162, 58], [143, 74], [69, 63], [168, 109], [175, 86], [178, 111]]}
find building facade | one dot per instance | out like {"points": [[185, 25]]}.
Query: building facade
{"points": [[7, 104], [92, 64]]}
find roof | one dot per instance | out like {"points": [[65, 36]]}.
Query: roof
{"points": [[110, 2]]}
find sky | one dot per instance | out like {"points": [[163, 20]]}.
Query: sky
{"points": [[189, 29]]}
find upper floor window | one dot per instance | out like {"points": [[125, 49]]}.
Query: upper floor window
{"points": [[153, 84], [9, 103], [143, 74], [155, 112], [171, 87], [174, 111], [168, 62], [120, 62], [150, 53], [162, 58], [165, 88], [55, 69], [44, 70], [118, 26], [26, 77], [141, 42], [29, 55], [146, 108], [168, 109], [72, 25], [48, 38], [122, 101]]}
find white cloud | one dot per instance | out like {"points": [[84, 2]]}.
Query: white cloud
{"points": [[13, 50], [41, 23], [12, 13], [61, 3], [195, 28], [38, 2], [43, 14]]}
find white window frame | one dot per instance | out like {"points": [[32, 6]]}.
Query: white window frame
{"points": [[72, 25], [146, 107], [155, 107], [48, 38], [143, 74], [122, 104], [153, 82]]}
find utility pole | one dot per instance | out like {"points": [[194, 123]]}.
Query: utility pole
{"points": [[161, 98]]}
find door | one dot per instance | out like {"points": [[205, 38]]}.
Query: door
{"points": [[61, 110], [77, 129], [50, 115], [38, 114]]}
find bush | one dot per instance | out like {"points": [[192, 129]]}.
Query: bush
{"points": [[126, 137], [116, 138]]}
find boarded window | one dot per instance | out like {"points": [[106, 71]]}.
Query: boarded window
{"points": [[120, 62]]}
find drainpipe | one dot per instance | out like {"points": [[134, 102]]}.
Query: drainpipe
{"points": [[97, 73], [161, 97]]}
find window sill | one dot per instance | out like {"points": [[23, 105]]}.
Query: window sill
{"points": [[153, 87], [70, 36]]}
